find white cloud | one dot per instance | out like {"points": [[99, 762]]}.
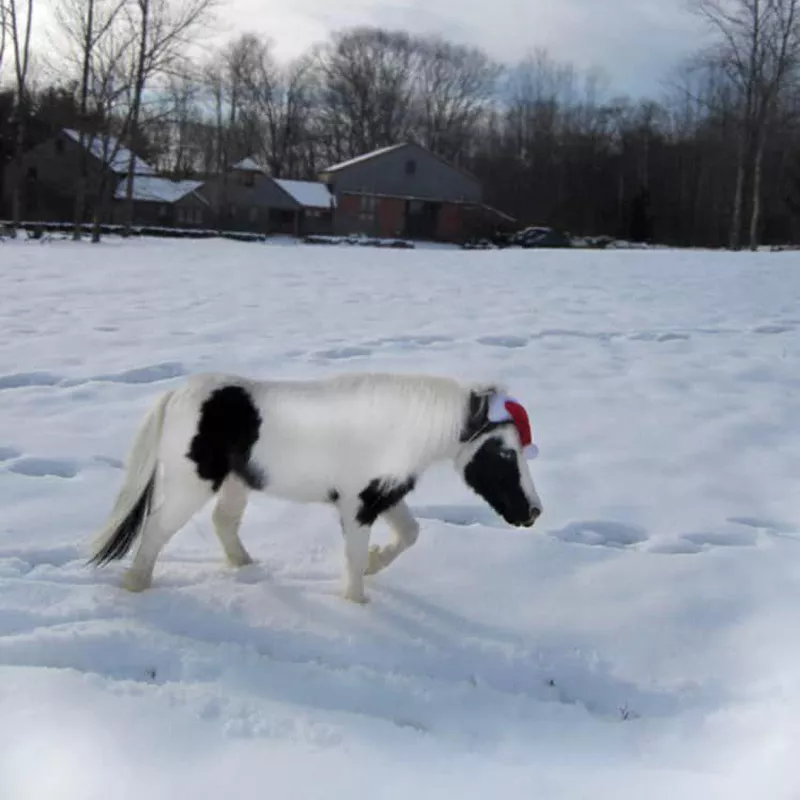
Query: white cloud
{"points": [[636, 42]]}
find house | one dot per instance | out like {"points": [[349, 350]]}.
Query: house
{"points": [[406, 190], [162, 201], [52, 172], [247, 198]]}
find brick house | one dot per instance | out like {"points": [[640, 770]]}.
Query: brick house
{"points": [[406, 190], [247, 198]]}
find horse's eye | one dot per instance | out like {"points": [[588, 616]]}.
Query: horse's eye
{"points": [[508, 455]]}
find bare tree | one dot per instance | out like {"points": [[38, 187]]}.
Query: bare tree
{"points": [[455, 86], [164, 29], [759, 48], [20, 24], [85, 24], [3, 31]]}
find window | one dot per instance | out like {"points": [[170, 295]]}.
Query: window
{"points": [[232, 210], [59, 145], [198, 216], [249, 178], [33, 173], [411, 166], [252, 214], [163, 210]]}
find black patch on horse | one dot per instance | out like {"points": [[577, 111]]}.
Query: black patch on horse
{"points": [[381, 495], [228, 428], [333, 496], [493, 473]]}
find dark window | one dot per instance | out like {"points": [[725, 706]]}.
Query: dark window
{"points": [[33, 173], [249, 179], [59, 146], [411, 166]]}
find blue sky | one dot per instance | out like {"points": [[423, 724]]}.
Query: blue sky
{"points": [[635, 42]]}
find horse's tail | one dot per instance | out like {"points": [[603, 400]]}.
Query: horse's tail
{"points": [[135, 496]]}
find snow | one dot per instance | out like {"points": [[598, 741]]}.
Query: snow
{"points": [[248, 164], [308, 194], [639, 642], [155, 189], [365, 157], [104, 147]]}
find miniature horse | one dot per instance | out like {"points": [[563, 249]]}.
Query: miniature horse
{"points": [[358, 442]]}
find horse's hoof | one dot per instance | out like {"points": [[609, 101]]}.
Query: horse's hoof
{"points": [[374, 561], [245, 560], [133, 582], [353, 597]]}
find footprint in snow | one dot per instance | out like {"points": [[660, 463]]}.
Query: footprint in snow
{"points": [[34, 467], [7, 453], [511, 342], [601, 533], [25, 380]]}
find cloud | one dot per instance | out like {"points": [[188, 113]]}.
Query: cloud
{"points": [[635, 42]]}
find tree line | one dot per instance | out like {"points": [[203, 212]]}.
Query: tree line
{"points": [[713, 160]]}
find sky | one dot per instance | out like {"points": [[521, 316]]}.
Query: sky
{"points": [[634, 42]]}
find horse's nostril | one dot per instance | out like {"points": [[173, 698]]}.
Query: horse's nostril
{"points": [[535, 514]]}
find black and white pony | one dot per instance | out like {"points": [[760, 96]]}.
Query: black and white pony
{"points": [[358, 442]]}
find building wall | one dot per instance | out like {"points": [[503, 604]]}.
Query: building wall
{"points": [[188, 212], [243, 200], [51, 172], [450, 227], [409, 171]]}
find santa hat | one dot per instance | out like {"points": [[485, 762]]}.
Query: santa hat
{"points": [[503, 408]]}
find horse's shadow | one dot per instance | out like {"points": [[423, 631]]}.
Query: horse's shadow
{"points": [[379, 659]]}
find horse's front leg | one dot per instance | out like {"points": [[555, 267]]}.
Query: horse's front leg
{"points": [[356, 550], [406, 531]]}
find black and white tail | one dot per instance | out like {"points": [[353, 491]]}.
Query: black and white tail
{"points": [[134, 501]]}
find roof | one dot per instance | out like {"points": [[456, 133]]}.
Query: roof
{"points": [[155, 189], [120, 156], [365, 157], [384, 150], [248, 164], [308, 194]]}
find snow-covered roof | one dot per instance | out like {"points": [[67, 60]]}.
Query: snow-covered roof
{"points": [[248, 164], [155, 189], [358, 159], [308, 194], [119, 159]]}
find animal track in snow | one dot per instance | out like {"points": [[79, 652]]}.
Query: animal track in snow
{"points": [[339, 353], [147, 374], [773, 329], [503, 341], [462, 516], [34, 467], [770, 526], [721, 538], [600, 533], [24, 380], [151, 373], [7, 453]]}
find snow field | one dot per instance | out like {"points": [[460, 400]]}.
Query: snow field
{"points": [[638, 642]]}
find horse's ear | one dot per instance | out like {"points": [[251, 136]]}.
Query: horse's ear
{"points": [[477, 414]]}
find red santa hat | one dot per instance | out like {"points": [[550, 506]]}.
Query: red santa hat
{"points": [[504, 408]]}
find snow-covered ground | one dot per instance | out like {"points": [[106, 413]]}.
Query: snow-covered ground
{"points": [[640, 642]]}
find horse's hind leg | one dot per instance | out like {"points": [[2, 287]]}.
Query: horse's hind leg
{"points": [[227, 517], [178, 497]]}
